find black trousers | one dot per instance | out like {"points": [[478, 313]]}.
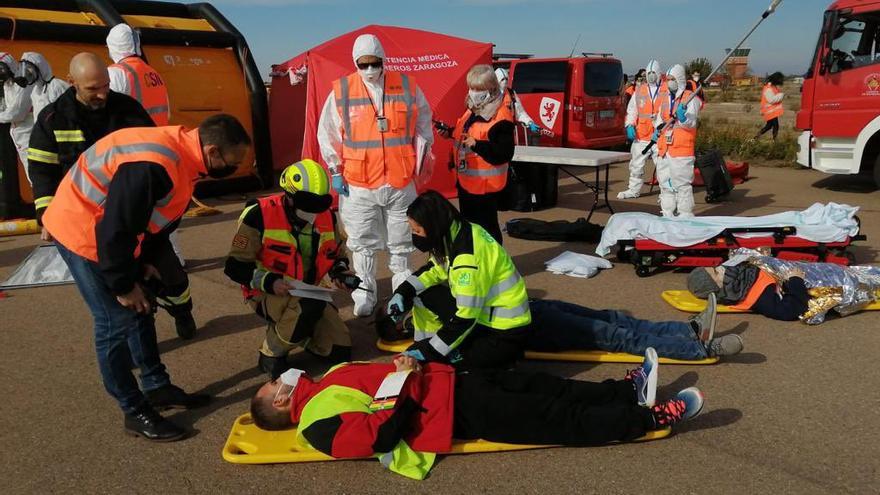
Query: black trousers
{"points": [[484, 347], [536, 408], [481, 209], [772, 124]]}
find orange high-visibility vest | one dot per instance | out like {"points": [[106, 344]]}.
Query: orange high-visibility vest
{"points": [[371, 158], [280, 252], [763, 281], [477, 176], [79, 201], [648, 108], [768, 110], [684, 139], [147, 87]]}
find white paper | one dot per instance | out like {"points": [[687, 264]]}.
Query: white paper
{"points": [[392, 385], [308, 291], [300, 285], [421, 153]]}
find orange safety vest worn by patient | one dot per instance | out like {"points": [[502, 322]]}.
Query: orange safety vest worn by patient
{"points": [[763, 281], [648, 108], [377, 149], [79, 201], [147, 87], [676, 140], [769, 110], [476, 175]]}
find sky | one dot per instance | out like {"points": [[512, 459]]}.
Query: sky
{"points": [[672, 31]]}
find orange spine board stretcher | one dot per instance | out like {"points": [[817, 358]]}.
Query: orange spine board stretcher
{"points": [[248, 444], [683, 300], [571, 356]]}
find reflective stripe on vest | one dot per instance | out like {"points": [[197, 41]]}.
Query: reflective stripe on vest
{"points": [[769, 110], [647, 109], [154, 98], [476, 175], [684, 139], [372, 158]]}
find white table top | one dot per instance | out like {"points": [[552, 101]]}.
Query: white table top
{"points": [[568, 156]]}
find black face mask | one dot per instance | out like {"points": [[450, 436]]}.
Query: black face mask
{"points": [[220, 173], [421, 243], [5, 72], [21, 81]]}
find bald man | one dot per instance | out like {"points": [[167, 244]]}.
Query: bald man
{"points": [[85, 113]]}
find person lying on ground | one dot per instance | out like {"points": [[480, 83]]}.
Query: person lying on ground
{"points": [[342, 414], [748, 288]]}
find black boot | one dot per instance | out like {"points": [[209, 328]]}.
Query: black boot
{"points": [[185, 325], [173, 397], [147, 423], [274, 366]]}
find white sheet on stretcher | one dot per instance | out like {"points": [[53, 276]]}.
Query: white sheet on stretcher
{"points": [[819, 223]]}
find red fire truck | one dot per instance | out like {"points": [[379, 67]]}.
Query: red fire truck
{"points": [[840, 100]]}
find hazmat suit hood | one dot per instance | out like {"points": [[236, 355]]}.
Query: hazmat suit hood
{"points": [[40, 62], [123, 42], [11, 63], [677, 74], [368, 44], [653, 66], [501, 75]]}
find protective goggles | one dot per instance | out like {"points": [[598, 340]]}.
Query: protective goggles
{"points": [[366, 65]]}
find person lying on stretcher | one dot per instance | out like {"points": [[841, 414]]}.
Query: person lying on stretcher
{"points": [[559, 326], [749, 288], [406, 412]]}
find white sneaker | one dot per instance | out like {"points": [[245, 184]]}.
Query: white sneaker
{"points": [[627, 195]]}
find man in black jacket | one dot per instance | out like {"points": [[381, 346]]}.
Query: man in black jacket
{"points": [[66, 128]]}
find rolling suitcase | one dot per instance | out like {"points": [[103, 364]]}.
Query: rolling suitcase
{"points": [[715, 175]]}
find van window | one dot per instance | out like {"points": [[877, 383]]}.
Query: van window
{"points": [[540, 77], [855, 42], [603, 78]]}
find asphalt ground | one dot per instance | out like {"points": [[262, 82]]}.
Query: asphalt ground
{"points": [[795, 413]]}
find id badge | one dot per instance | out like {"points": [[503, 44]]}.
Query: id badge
{"points": [[382, 123], [669, 137]]}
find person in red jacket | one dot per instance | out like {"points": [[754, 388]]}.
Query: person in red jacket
{"points": [[405, 411]]}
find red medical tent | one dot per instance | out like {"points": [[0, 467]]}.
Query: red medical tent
{"points": [[300, 86]]}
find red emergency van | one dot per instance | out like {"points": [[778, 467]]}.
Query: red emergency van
{"points": [[840, 98], [579, 99]]}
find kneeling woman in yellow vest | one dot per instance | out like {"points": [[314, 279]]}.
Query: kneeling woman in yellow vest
{"points": [[291, 236], [469, 303]]}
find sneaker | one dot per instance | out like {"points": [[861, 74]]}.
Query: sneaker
{"points": [[727, 345], [185, 325], [685, 405], [173, 397], [644, 379], [704, 323], [627, 195], [147, 423]]}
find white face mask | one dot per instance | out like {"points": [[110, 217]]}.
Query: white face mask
{"points": [[479, 97], [288, 380], [672, 84], [370, 74], [308, 217], [651, 78], [696, 78]]}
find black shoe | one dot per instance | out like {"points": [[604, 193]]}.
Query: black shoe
{"points": [[147, 423], [274, 366], [173, 397], [185, 325]]}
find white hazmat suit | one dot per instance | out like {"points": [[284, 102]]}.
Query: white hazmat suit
{"points": [[676, 174], [15, 109], [47, 88], [522, 116], [373, 218], [638, 159]]}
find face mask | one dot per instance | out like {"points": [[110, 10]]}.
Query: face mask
{"points": [[289, 380], [672, 84], [30, 76], [220, 172], [479, 97], [652, 78], [370, 74], [5, 72], [421, 243], [308, 217], [696, 78]]}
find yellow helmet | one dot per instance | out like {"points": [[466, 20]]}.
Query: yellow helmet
{"points": [[305, 175]]}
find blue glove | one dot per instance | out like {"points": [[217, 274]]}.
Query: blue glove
{"points": [[681, 113], [630, 133], [656, 136], [415, 354], [396, 307], [534, 128], [339, 185]]}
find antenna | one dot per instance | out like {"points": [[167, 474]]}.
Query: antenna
{"points": [[573, 48]]}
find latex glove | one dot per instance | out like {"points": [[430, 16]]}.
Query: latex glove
{"points": [[396, 307], [630, 133], [423, 351], [656, 136], [681, 113], [339, 185], [534, 128]]}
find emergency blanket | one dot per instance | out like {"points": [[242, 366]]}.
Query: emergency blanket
{"points": [[844, 289], [830, 222], [577, 265], [248, 444], [42, 268]]}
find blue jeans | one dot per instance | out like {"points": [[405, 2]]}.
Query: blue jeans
{"points": [[560, 326], [122, 336]]}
